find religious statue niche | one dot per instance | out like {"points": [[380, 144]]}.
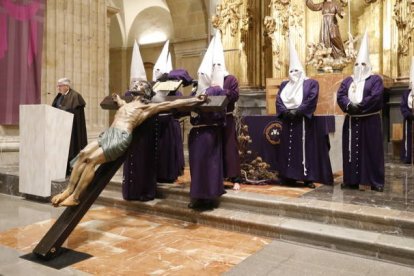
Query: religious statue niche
{"points": [[330, 53], [284, 16], [228, 13], [404, 19]]}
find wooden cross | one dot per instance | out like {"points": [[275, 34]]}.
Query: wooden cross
{"points": [[49, 246]]}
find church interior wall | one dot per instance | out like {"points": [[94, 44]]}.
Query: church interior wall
{"points": [[75, 45], [84, 43]]}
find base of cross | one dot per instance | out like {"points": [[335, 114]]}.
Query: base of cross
{"points": [[49, 246]]}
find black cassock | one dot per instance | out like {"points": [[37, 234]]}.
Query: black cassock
{"points": [[74, 103]]}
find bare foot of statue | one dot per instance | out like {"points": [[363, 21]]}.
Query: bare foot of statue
{"points": [[236, 186], [60, 197], [70, 201]]}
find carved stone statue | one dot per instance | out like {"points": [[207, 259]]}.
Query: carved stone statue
{"points": [[114, 141], [329, 35]]}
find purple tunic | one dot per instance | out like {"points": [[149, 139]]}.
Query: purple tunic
{"points": [[315, 163], [363, 161], [205, 145], [170, 152], [230, 144], [406, 147], [139, 181]]}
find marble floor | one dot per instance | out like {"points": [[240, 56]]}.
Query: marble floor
{"points": [[121, 242], [398, 191]]}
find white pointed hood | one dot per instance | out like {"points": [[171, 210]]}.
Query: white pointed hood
{"points": [[219, 64], [137, 65], [411, 84], [292, 94], [206, 68], [294, 61], [169, 63], [161, 66], [411, 81], [361, 72]]}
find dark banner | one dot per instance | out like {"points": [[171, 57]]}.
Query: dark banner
{"points": [[21, 37]]}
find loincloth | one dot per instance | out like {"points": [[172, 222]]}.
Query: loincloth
{"points": [[114, 142]]}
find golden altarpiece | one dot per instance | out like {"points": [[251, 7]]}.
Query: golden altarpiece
{"points": [[255, 36]]}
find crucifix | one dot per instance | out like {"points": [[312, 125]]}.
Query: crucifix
{"points": [[108, 152]]}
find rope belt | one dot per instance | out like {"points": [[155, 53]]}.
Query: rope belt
{"points": [[305, 171], [330, 14], [229, 113], [198, 126], [350, 130], [406, 139]]}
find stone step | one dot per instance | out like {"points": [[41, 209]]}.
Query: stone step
{"points": [[381, 220], [376, 245]]}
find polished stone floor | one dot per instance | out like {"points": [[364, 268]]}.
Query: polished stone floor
{"points": [[121, 242], [398, 191]]}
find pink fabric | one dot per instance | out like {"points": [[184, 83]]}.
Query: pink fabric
{"points": [[21, 13], [3, 35], [21, 38]]}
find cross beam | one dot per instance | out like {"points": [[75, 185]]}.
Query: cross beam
{"points": [[213, 104]]}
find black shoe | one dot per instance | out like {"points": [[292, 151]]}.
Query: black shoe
{"points": [[350, 187], [201, 204], [288, 182], [145, 198], [309, 184], [377, 189]]}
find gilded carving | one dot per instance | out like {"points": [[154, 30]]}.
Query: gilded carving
{"points": [[284, 16], [229, 13], [404, 19]]}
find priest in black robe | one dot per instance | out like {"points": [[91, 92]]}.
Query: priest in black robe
{"points": [[71, 101]]}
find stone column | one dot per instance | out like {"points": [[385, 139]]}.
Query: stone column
{"points": [[76, 45]]}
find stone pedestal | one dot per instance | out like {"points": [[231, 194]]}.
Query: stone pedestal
{"points": [[44, 147]]}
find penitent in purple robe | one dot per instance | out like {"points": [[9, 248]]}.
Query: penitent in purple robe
{"points": [[140, 178], [170, 152], [139, 172], [205, 143], [315, 164], [230, 144], [406, 147], [362, 148]]}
